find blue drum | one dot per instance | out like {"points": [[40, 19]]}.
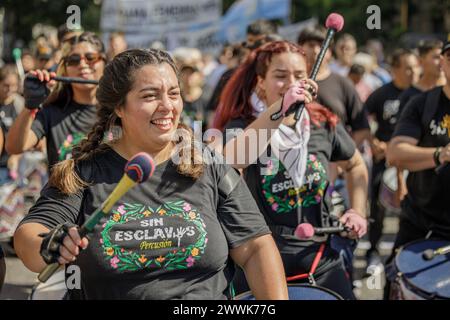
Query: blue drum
{"points": [[300, 292], [418, 278]]}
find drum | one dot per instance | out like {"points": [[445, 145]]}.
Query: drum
{"points": [[387, 195], [418, 278], [54, 289], [300, 292]]}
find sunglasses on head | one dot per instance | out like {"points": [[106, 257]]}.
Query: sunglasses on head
{"points": [[75, 59]]}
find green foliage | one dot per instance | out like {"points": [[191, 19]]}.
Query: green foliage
{"points": [[22, 15]]}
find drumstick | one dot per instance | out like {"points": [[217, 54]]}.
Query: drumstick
{"points": [[430, 253], [67, 79], [334, 23], [137, 170], [17, 54]]}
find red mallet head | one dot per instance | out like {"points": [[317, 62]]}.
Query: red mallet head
{"points": [[335, 21], [140, 167], [304, 231]]}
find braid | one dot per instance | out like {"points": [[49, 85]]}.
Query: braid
{"points": [[94, 142], [63, 175]]}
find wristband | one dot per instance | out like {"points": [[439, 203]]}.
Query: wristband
{"points": [[436, 155], [33, 112]]}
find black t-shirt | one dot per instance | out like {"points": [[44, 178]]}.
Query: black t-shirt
{"points": [[168, 238], [384, 103], [406, 95], [280, 201], [8, 114], [63, 127], [339, 95], [427, 203]]}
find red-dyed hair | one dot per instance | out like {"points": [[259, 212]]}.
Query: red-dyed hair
{"points": [[234, 102]]}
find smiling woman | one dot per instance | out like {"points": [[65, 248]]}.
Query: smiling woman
{"points": [[291, 183], [64, 115], [172, 237]]}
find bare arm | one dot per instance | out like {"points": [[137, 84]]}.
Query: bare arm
{"points": [[27, 244], [20, 137], [357, 179], [404, 153], [263, 267], [248, 146], [360, 135]]}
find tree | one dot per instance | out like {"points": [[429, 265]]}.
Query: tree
{"points": [[22, 15]]}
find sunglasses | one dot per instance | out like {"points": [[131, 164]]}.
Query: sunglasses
{"points": [[75, 59]]}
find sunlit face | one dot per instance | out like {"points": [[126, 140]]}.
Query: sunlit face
{"points": [[8, 87], [430, 62], [312, 49], [91, 70], [153, 106], [284, 70], [445, 64], [408, 70]]}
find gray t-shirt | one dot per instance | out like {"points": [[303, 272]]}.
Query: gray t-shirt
{"points": [[168, 238]]}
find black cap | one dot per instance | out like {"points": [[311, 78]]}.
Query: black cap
{"points": [[445, 47]]}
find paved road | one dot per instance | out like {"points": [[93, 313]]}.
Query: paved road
{"points": [[371, 287], [19, 280]]}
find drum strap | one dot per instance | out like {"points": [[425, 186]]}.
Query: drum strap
{"points": [[310, 274]]}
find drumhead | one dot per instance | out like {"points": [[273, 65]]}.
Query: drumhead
{"points": [[428, 278], [390, 178], [300, 292]]}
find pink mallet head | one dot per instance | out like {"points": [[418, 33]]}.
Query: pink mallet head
{"points": [[334, 21], [304, 231]]}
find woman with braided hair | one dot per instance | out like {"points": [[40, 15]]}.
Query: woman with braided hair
{"points": [[170, 237], [64, 115], [288, 174]]}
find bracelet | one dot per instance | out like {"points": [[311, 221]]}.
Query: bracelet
{"points": [[436, 155]]}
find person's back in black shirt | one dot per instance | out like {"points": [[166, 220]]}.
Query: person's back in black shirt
{"points": [[384, 104]]}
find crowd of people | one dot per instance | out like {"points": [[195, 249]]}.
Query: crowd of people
{"points": [[211, 226]]}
